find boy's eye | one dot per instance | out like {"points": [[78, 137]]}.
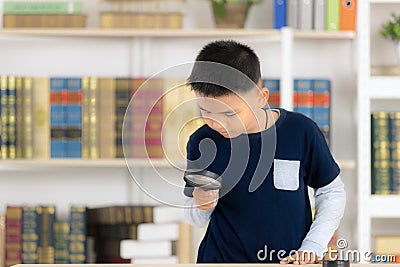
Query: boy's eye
{"points": [[230, 114]]}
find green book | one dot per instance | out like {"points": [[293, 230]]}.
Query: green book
{"points": [[61, 242], [395, 151], [30, 234], [68, 7], [380, 154], [332, 15], [77, 235]]}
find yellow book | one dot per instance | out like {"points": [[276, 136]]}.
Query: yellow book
{"points": [[172, 117], [27, 111], [106, 107], [85, 118], [4, 117], [192, 118], [93, 119], [19, 116], [387, 245], [184, 244], [41, 118]]}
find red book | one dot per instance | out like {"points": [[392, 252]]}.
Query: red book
{"points": [[146, 112], [13, 235]]}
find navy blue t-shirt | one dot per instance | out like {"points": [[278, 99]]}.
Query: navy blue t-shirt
{"points": [[277, 215]]}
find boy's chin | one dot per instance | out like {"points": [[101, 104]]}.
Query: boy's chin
{"points": [[229, 135]]}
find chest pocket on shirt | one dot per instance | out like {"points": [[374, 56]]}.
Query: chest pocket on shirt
{"points": [[286, 174]]}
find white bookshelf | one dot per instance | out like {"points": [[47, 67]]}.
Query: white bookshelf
{"points": [[384, 206], [370, 89], [179, 33], [33, 164], [384, 87], [82, 163]]}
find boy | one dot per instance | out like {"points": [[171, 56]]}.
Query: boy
{"points": [[242, 139]]}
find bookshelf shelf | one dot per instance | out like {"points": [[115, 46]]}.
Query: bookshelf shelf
{"points": [[325, 35], [184, 33], [385, 206], [109, 163], [385, 1], [384, 87], [164, 33], [81, 163]]}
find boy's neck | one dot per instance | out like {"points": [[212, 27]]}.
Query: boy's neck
{"points": [[273, 116], [265, 119]]}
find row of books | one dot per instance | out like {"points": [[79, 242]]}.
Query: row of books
{"points": [[29, 14], [311, 97], [32, 235], [160, 14], [129, 234], [385, 153], [331, 15], [83, 117]]}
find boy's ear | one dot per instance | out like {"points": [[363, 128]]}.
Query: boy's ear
{"points": [[263, 96]]}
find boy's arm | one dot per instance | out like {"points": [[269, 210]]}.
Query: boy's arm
{"points": [[194, 215], [330, 203]]}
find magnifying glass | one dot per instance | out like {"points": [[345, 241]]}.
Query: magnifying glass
{"points": [[204, 179]]}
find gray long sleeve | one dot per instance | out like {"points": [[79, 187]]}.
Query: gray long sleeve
{"points": [[194, 215], [330, 202]]}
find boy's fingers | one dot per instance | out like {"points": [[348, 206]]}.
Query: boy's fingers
{"points": [[288, 259], [301, 258]]}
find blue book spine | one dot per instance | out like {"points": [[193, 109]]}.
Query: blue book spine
{"points": [[321, 110], [12, 124], [77, 235], [74, 118], [58, 117], [280, 13], [394, 126], [30, 234], [57, 84], [74, 84], [74, 143], [58, 143], [303, 97], [322, 102], [274, 92]]}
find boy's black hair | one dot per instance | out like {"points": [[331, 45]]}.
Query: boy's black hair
{"points": [[210, 79]]}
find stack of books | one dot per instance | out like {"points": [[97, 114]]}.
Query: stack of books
{"points": [[45, 14], [139, 14]]}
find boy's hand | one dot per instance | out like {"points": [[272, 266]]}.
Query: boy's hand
{"points": [[301, 258], [205, 200]]}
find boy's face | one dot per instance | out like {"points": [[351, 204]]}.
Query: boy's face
{"points": [[232, 115]]}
